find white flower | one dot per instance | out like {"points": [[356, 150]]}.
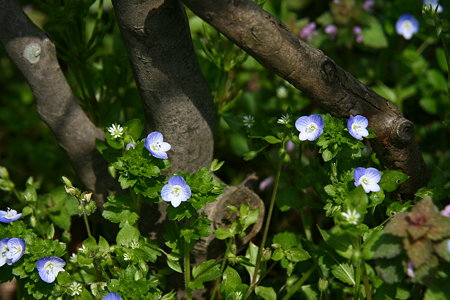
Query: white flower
{"points": [[134, 245], [282, 92], [126, 256], [82, 249], [351, 216], [115, 130], [73, 258], [248, 121], [284, 120], [75, 288]]}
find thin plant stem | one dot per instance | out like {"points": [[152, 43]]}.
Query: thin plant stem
{"points": [[366, 283], [187, 270], [266, 229], [447, 58], [222, 268], [88, 229], [358, 272], [299, 283]]}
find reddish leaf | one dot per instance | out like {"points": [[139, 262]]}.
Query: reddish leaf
{"points": [[419, 251]]}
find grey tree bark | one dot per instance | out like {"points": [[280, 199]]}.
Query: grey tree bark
{"points": [[317, 76], [35, 56]]}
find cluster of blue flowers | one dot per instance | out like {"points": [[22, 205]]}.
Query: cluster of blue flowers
{"points": [[12, 249], [311, 127]]}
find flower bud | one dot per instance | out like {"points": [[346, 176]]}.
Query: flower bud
{"points": [[323, 284]]}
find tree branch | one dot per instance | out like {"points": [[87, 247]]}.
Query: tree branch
{"points": [[176, 98], [317, 76], [34, 55]]}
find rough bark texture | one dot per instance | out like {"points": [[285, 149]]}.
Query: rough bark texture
{"points": [[34, 55], [317, 76], [176, 98]]}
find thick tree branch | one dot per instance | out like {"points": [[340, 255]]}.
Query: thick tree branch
{"points": [[317, 76], [176, 98], [34, 55]]}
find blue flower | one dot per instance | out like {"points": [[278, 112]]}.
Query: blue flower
{"points": [[433, 4], [310, 127], [49, 267], [11, 250], [129, 146], [407, 26], [176, 191], [357, 126], [154, 143], [9, 215], [368, 178], [112, 296]]}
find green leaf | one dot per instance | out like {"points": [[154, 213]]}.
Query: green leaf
{"points": [[286, 240], [223, 233], [272, 140], [206, 271], [173, 262], [127, 235], [232, 284], [296, 254], [374, 35], [344, 272], [267, 293], [278, 254], [327, 155], [134, 128], [430, 105], [339, 240], [103, 245], [390, 270], [118, 210], [392, 179], [385, 246]]}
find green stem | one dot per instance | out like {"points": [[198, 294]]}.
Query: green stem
{"points": [[187, 270], [358, 271], [447, 58], [299, 283], [222, 268], [88, 229], [366, 283], [266, 229]]}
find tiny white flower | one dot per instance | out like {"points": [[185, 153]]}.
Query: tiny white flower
{"points": [[285, 119], [282, 92], [126, 256], [73, 258], [82, 249], [115, 130], [75, 288], [248, 121], [134, 245], [352, 216]]}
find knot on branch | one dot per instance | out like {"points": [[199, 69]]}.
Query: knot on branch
{"points": [[328, 71], [32, 52], [402, 132]]}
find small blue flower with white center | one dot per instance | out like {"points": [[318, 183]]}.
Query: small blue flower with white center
{"points": [[407, 26], [357, 126], [3, 251], [9, 215], [11, 250], [176, 191], [16, 248], [310, 127], [49, 267], [112, 296], [368, 178], [155, 144]]}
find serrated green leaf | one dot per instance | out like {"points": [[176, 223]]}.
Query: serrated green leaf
{"points": [[344, 272], [127, 235]]}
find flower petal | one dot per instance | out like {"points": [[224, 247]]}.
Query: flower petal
{"points": [[301, 123], [373, 174], [165, 192], [357, 175], [177, 180], [318, 120]]}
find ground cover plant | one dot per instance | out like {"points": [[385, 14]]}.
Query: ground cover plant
{"points": [[223, 149]]}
